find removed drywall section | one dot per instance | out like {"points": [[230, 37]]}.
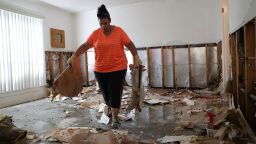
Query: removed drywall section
{"points": [[52, 17], [154, 23]]}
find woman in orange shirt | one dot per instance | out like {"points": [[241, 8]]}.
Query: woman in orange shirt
{"points": [[110, 66]]}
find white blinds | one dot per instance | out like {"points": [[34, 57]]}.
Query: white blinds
{"points": [[22, 63]]}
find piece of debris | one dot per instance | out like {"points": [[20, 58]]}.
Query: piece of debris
{"points": [[176, 139], [138, 94], [69, 82], [104, 119], [156, 101], [78, 135], [9, 133], [188, 102]]}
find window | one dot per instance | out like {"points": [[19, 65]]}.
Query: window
{"points": [[22, 63]]}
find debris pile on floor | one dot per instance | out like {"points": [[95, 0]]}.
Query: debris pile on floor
{"points": [[202, 115], [9, 133], [79, 135]]}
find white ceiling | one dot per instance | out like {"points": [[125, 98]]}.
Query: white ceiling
{"points": [[75, 6]]}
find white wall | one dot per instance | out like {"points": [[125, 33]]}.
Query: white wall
{"points": [[240, 12], [52, 16], [156, 23]]}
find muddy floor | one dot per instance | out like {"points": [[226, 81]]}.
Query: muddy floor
{"points": [[153, 122]]}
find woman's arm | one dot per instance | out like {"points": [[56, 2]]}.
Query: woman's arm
{"points": [[136, 59], [83, 48], [132, 48]]}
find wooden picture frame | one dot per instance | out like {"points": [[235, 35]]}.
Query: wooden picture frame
{"points": [[57, 38]]}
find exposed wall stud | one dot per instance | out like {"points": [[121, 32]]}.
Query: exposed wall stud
{"points": [[189, 66], [61, 62], [86, 68], [173, 69], [149, 69], [163, 65]]}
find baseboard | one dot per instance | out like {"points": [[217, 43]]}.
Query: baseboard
{"points": [[23, 96]]}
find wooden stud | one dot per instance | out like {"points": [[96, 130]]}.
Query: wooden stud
{"points": [[237, 68], [173, 68], [50, 63], [234, 68], [219, 61], [189, 66], [162, 53], [249, 35], [206, 64], [61, 62], [86, 68], [149, 69]]}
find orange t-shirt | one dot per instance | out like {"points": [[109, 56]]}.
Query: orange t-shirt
{"points": [[109, 50]]}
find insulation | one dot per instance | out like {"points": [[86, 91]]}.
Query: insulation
{"points": [[168, 68], [198, 67], [143, 56], [155, 63], [213, 66], [181, 67]]}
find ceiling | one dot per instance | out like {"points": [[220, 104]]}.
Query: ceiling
{"points": [[75, 6]]}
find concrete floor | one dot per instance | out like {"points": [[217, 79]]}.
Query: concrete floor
{"points": [[43, 116]]}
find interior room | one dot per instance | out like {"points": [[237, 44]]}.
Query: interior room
{"points": [[176, 71]]}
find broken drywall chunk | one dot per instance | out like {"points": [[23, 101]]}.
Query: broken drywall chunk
{"points": [[188, 102], [156, 101], [104, 119], [170, 139]]}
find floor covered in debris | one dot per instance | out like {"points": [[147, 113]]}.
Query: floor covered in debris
{"points": [[167, 116]]}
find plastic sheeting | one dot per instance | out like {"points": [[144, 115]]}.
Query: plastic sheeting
{"points": [[198, 67], [155, 67], [181, 67], [168, 68], [213, 66]]}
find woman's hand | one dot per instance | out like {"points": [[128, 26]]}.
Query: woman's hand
{"points": [[137, 61]]}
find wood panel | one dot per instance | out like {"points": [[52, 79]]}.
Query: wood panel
{"points": [[234, 67], [249, 36]]}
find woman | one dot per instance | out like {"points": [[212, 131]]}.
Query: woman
{"points": [[110, 66]]}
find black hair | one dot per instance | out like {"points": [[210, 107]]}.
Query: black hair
{"points": [[103, 12]]}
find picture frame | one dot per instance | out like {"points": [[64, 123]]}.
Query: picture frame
{"points": [[57, 38]]}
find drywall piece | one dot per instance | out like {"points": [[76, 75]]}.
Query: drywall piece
{"points": [[168, 67], [155, 64], [181, 67], [143, 56]]}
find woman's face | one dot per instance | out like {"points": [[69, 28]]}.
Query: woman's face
{"points": [[104, 24]]}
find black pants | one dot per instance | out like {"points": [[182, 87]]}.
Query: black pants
{"points": [[111, 86]]}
